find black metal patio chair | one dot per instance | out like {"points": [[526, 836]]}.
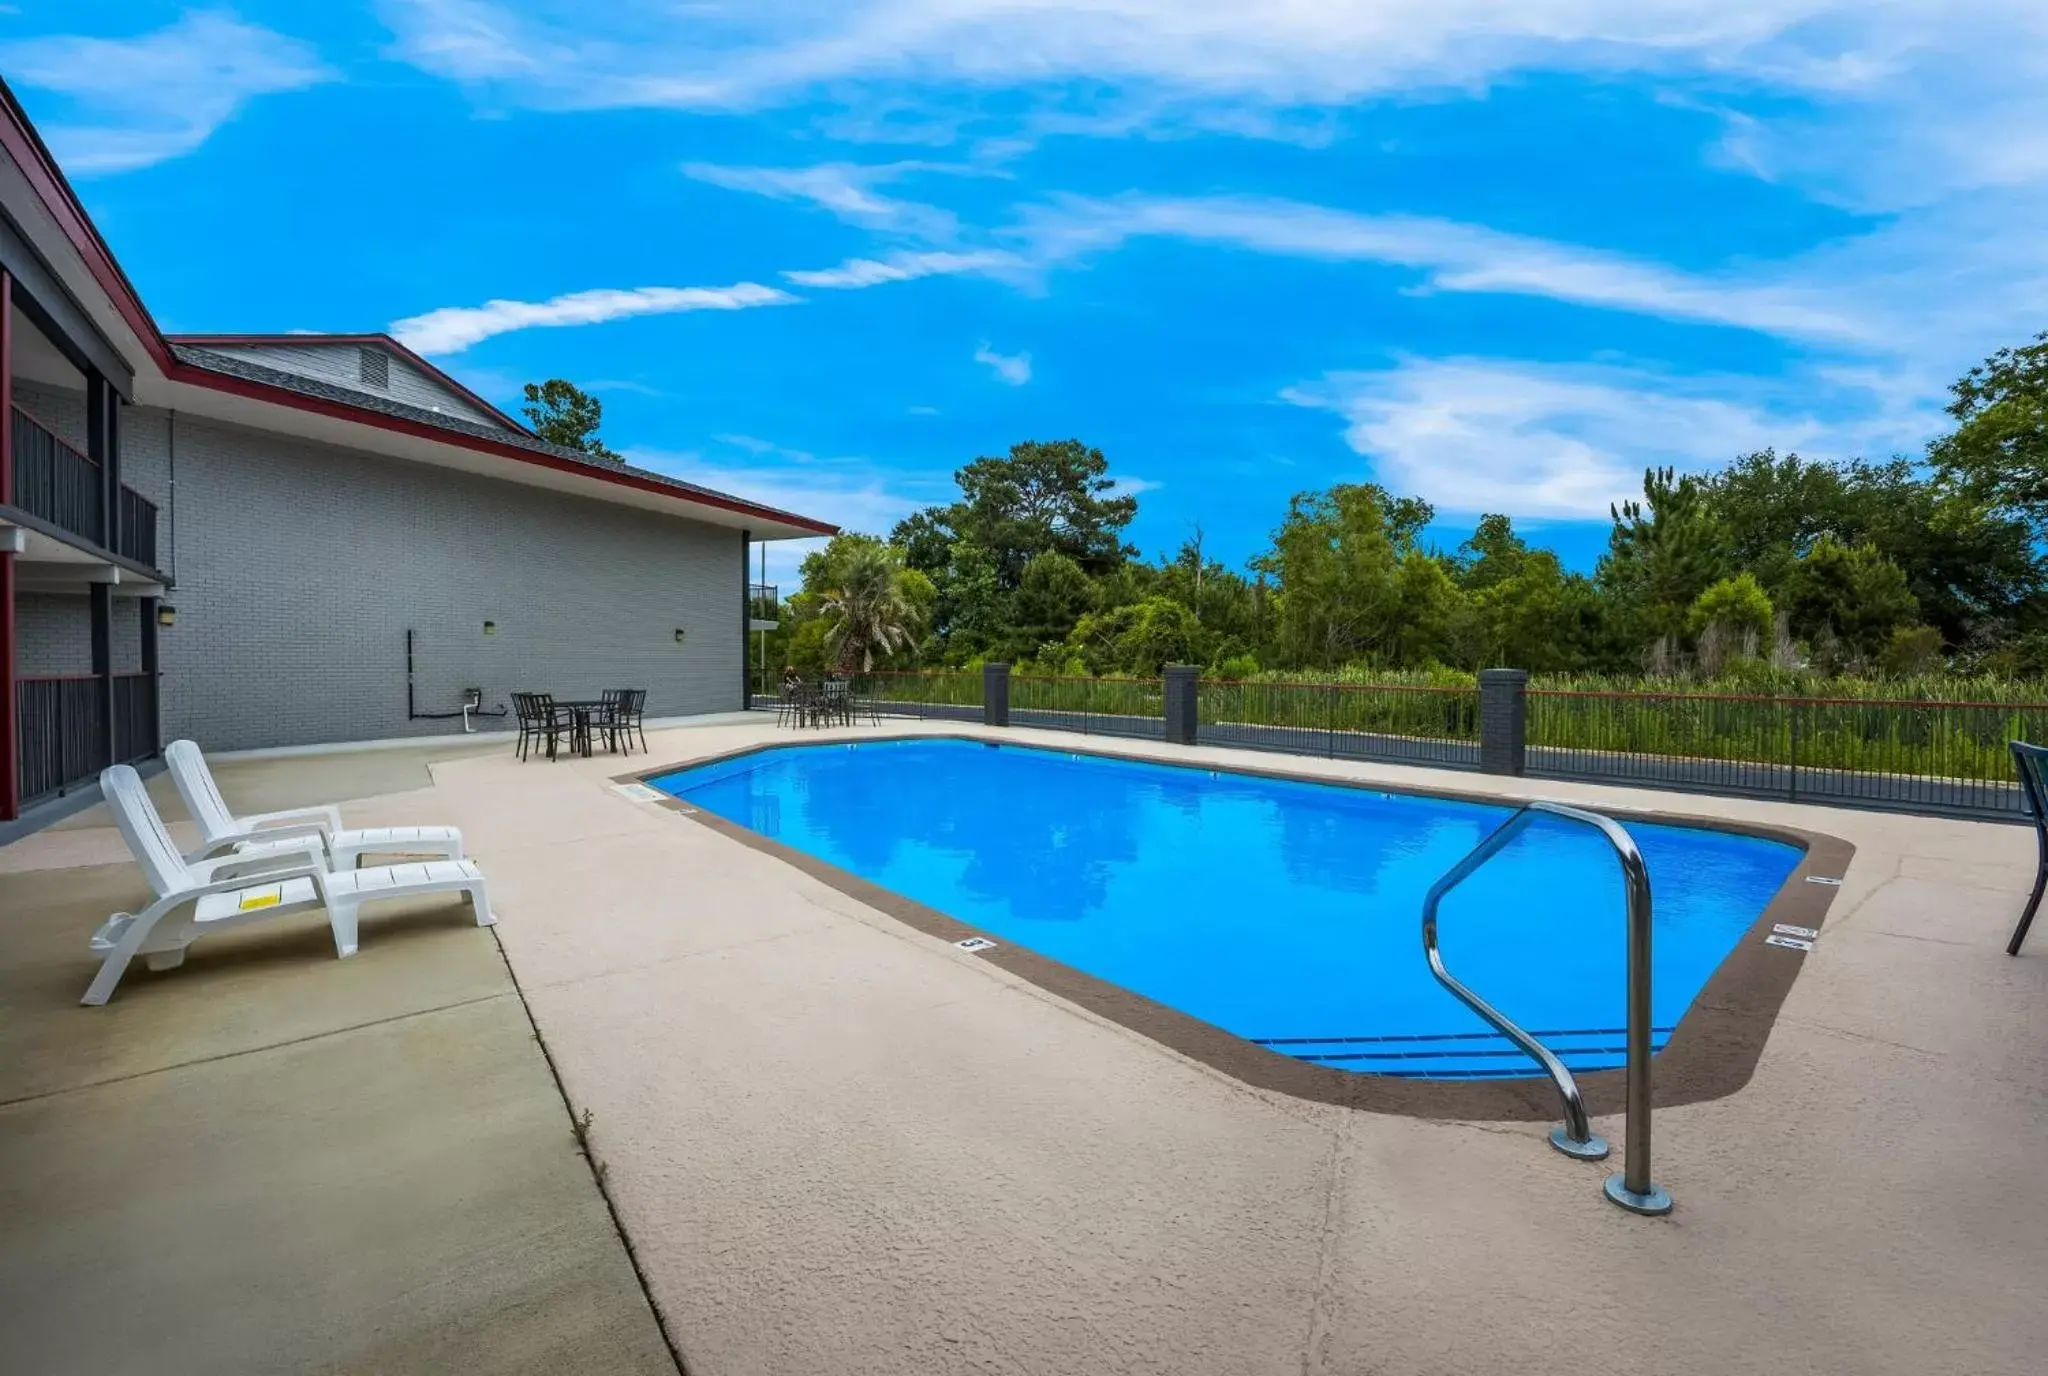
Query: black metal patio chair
{"points": [[540, 722], [624, 709], [2032, 761]]}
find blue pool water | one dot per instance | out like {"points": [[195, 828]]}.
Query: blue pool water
{"points": [[1287, 913]]}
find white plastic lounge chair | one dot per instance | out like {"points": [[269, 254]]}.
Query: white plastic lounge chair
{"points": [[233, 889], [273, 833]]}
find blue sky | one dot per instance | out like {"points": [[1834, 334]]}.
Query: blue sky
{"points": [[823, 252]]}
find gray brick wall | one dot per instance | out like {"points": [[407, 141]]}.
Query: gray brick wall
{"points": [[62, 409], [53, 634], [300, 567]]}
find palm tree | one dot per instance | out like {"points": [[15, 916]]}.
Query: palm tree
{"points": [[868, 609]]}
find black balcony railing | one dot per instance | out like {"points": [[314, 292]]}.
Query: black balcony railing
{"points": [[136, 538], [56, 482], [134, 716], [53, 480], [62, 733]]}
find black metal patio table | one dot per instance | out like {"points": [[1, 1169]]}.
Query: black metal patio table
{"points": [[582, 716]]}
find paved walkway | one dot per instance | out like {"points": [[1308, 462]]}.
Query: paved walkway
{"points": [[281, 1162], [842, 1146]]}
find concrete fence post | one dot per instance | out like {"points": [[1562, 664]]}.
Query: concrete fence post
{"points": [[1503, 720], [995, 694], [1181, 681]]}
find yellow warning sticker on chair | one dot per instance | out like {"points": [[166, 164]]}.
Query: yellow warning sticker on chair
{"points": [[262, 898]]}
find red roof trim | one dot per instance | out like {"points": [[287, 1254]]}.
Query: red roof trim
{"points": [[18, 135], [208, 341]]}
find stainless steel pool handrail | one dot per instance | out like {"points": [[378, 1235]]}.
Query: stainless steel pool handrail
{"points": [[1631, 1188]]}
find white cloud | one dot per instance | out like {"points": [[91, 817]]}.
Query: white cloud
{"points": [[1452, 257], [1892, 101], [848, 191], [1015, 369], [856, 273], [854, 494], [1474, 435], [159, 96], [451, 329]]}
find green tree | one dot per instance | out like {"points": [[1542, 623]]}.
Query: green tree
{"points": [[1337, 557], [974, 612], [1738, 605], [1971, 564], [1053, 595], [1041, 497], [868, 606], [1663, 552], [1140, 638], [1847, 600], [1493, 554], [1541, 618], [563, 413], [1999, 447]]}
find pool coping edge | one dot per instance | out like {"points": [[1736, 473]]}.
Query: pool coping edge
{"points": [[1712, 1052]]}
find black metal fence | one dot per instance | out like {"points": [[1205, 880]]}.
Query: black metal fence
{"points": [[62, 729], [56, 482], [62, 733], [137, 536], [1940, 757], [134, 716], [1946, 758], [1094, 706], [1401, 723]]}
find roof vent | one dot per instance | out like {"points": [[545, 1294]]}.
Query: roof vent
{"points": [[373, 368]]}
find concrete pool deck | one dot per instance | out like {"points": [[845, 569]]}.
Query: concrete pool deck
{"points": [[838, 1144]]}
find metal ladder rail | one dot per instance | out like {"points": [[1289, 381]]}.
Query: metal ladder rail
{"points": [[1632, 1187]]}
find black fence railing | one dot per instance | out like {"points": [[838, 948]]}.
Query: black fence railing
{"points": [[1947, 758], [136, 538], [53, 480], [1094, 706], [62, 729], [942, 696], [62, 734], [1399, 723], [1944, 757], [134, 716], [56, 482]]}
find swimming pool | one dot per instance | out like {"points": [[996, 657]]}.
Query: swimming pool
{"points": [[1285, 912]]}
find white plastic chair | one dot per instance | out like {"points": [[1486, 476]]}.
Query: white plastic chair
{"points": [[194, 898], [273, 833]]}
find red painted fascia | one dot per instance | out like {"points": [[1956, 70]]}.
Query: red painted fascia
{"points": [[26, 146]]}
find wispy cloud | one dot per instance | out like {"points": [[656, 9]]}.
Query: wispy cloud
{"points": [[856, 273], [853, 493], [1015, 369], [845, 189], [1449, 255], [452, 329], [161, 95], [1891, 101], [1479, 434]]}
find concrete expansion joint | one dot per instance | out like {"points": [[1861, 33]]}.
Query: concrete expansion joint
{"points": [[253, 1050], [1322, 1301]]}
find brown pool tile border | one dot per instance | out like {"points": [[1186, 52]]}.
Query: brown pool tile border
{"points": [[1711, 1054]]}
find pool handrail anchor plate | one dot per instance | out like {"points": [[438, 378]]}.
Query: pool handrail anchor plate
{"points": [[1632, 1188]]}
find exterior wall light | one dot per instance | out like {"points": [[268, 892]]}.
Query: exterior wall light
{"points": [[679, 635], [166, 614], [490, 628]]}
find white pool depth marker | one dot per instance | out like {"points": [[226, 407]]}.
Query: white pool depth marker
{"points": [[976, 943], [639, 793]]}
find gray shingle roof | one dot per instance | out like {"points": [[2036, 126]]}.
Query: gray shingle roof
{"points": [[229, 366]]}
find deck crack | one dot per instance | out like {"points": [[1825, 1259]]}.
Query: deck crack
{"points": [[1322, 1302]]}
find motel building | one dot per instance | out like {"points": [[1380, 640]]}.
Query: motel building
{"points": [[283, 540]]}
